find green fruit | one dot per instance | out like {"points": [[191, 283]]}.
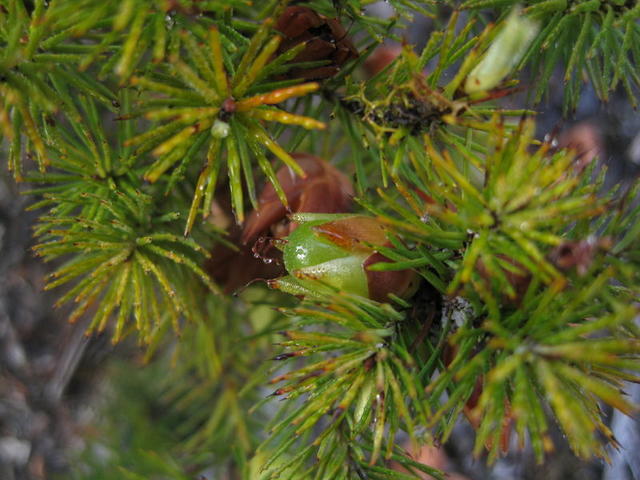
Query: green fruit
{"points": [[337, 253], [309, 255]]}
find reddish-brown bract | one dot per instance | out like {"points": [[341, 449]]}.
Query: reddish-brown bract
{"points": [[354, 233], [381, 283], [381, 58], [518, 276], [324, 190], [325, 39], [234, 268], [578, 254], [585, 140], [470, 408]]}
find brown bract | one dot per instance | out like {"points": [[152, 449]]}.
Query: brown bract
{"points": [[325, 39], [578, 254], [381, 58], [585, 139], [470, 409], [402, 283], [354, 233], [234, 268], [517, 275], [324, 189]]}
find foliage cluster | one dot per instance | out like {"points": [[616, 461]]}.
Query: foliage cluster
{"points": [[131, 119]]}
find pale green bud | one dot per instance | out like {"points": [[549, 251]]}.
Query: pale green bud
{"points": [[503, 55]]}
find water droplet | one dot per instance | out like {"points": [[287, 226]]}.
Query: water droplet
{"points": [[220, 129]]}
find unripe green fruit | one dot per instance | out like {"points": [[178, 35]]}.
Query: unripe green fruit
{"points": [[310, 255], [337, 253]]}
